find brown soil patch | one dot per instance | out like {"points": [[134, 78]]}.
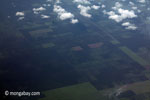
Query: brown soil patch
{"points": [[95, 45], [77, 48]]}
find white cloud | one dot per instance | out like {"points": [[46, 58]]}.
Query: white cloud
{"points": [[84, 10], [131, 3], [46, 5], [134, 8], [103, 6], [20, 18], [126, 24], [117, 6], [73, 21], [66, 15], [20, 14], [126, 13], [95, 7], [132, 27], [138, 11], [58, 1], [129, 26], [63, 14], [45, 16], [58, 9], [123, 14], [82, 1], [105, 12], [38, 10], [49, 0], [114, 16], [141, 1]]}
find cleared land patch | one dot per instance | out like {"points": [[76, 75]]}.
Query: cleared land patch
{"points": [[139, 87], [40, 32], [48, 45], [95, 45], [134, 56], [83, 91], [115, 42], [77, 48]]}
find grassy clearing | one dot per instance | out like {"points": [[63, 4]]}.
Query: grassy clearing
{"points": [[62, 35], [135, 57], [40, 32], [125, 36], [48, 45], [147, 73], [31, 26], [115, 42], [83, 91], [139, 87]]}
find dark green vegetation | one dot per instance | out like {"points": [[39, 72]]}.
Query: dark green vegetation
{"points": [[40, 55]]}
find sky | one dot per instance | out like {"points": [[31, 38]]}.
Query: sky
{"points": [[120, 11]]}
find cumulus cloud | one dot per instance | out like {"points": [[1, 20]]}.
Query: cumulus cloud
{"points": [[138, 11], [20, 14], [73, 21], [49, 0], [123, 14], [20, 18], [84, 10], [82, 1], [46, 5], [117, 6], [63, 14], [141, 1], [132, 27], [38, 10], [131, 3], [126, 24], [103, 6], [114, 16], [95, 7], [129, 26], [66, 15], [134, 8], [126, 13], [58, 1], [45, 16]]}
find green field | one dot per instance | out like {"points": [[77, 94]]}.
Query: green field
{"points": [[48, 45], [134, 56], [139, 87], [115, 42], [40, 32], [31, 26], [83, 91]]}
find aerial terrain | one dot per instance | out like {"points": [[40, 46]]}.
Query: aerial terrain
{"points": [[75, 49]]}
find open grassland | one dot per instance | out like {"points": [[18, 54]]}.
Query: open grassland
{"points": [[115, 42], [48, 45], [40, 32], [134, 56], [31, 26], [83, 91], [139, 87]]}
